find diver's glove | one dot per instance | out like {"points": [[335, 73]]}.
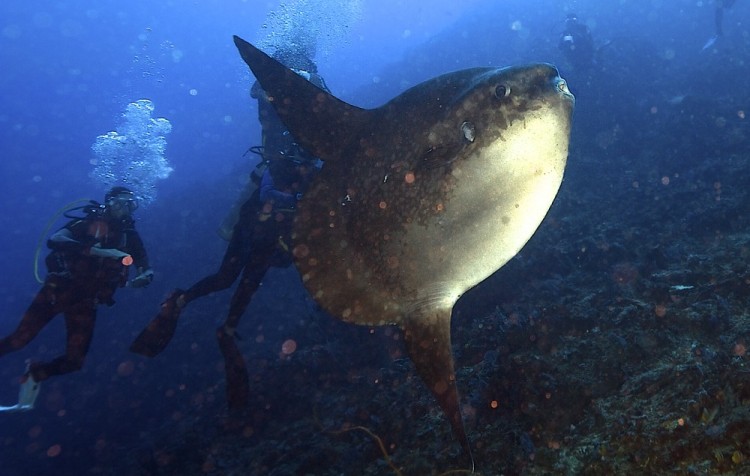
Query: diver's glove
{"points": [[113, 253], [143, 279]]}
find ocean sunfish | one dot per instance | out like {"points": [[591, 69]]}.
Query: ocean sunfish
{"points": [[422, 198]]}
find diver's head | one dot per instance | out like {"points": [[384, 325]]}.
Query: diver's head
{"points": [[120, 201], [571, 18], [296, 60]]}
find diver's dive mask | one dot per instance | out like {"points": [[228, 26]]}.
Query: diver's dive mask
{"points": [[124, 200]]}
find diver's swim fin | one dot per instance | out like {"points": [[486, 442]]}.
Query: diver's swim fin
{"points": [[28, 392], [711, 41], [26, 395], [238, 383], [156, 336]]}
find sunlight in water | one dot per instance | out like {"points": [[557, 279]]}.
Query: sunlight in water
{"points": [[310, 25]]}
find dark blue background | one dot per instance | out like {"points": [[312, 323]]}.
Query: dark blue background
{"points": [[69, 69]]}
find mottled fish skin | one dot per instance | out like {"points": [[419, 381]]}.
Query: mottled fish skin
{"points": [[422, 198]]}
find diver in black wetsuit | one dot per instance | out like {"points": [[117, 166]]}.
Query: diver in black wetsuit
{"points": [[259, 239], [576, 43], [91, 257], [719, 8]]}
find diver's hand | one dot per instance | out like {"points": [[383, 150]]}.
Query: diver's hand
{"points": [[143, 279], [113, 253]]}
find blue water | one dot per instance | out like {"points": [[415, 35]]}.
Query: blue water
{"points": [[70, 68]]}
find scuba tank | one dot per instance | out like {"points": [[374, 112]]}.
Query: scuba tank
{"points": [[90, 206]]}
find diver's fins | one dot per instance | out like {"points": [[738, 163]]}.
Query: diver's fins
{"points": [[26, 395], [156, 336], [238, 383], [710, 42], [28, 392]]}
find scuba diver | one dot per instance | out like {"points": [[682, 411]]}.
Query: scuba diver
{"points": [[576, 43], [91, 257], [259, 237], [721, 5]]}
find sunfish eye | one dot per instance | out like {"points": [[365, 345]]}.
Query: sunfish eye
{"points": [[502, 91], [562, 85]]}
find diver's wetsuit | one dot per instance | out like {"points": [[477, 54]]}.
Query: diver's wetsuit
{"points": [[261, 234], [259, 240], [76, 282], [261, 237], [577, 45]]}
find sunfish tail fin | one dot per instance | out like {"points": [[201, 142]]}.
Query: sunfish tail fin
{"points": [[428, 342]]}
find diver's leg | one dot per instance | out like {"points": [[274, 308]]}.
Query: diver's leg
{"points": [[155, 337], [40, 312], [239, 248], [79, 326], [252, 276], [230, 268], [238, 386], [719, 21]]}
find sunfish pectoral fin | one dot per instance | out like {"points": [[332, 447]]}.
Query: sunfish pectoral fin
{"points": [[428, 342]]}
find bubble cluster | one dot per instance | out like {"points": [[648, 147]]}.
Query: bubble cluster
{"points": [[309, 25], [133, 154]]}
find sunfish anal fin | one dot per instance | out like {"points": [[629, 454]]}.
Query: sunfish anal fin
{"points": [[428, 341]]}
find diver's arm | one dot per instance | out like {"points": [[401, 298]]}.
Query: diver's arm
{"points": [[65, 239], [73, 238], [61, 237], [144, 273], [137, 250], [269, 193]]}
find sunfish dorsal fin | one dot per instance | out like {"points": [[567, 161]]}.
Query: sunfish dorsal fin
{"points": [[324, 125]]}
